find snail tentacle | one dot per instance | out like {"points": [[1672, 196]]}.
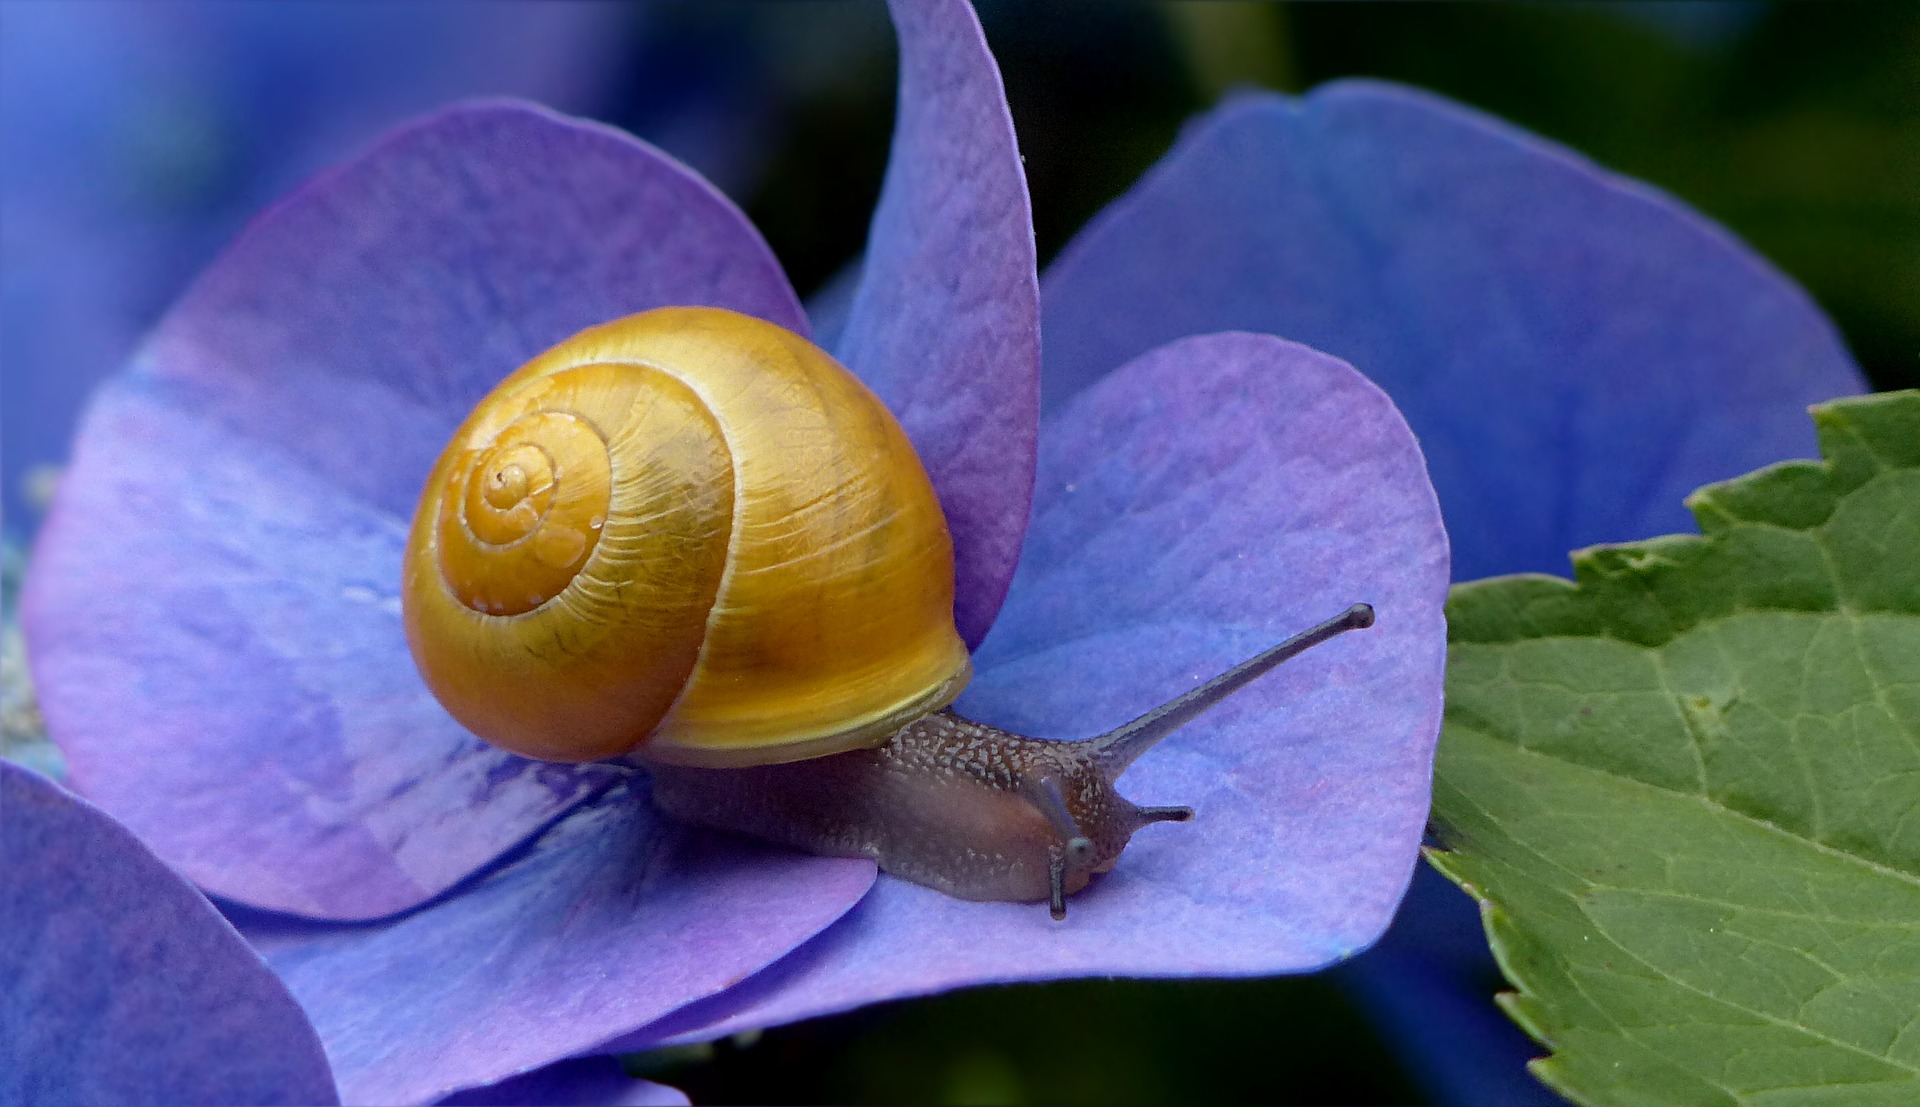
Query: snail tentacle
{"points": [[1121, 746], [1046, 795], [1176, 814]]}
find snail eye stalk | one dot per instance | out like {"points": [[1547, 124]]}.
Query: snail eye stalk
{"points": [[1119, 747], [1046, 794]]}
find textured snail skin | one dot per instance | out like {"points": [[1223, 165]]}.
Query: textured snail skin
{"points": [[968, 809], [955, 805], [687, 528]]}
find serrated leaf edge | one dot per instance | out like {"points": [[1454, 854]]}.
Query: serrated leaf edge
{"points": [[1840, 443]]}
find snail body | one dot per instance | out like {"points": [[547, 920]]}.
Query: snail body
{"points": [[691, 538], [967, 809]]}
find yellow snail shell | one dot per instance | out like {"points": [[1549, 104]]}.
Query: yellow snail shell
{"points": [[688, 532]]}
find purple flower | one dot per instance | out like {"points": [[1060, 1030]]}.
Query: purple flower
{"points": [[215, 632]]}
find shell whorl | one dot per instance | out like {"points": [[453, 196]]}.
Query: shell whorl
{"points": [[690, 529]]}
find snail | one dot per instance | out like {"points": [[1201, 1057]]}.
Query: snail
{"points": [[691, 538]]}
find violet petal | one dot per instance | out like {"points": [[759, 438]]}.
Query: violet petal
{"points": [[581, 1082], [212, 607], [604, 923], [1193, 508], [945, 324], [1576, 351], [122, 983]]}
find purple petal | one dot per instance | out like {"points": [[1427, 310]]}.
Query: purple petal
{"points": [[582, 1082], [607, 922], [1193, 508], [122, 983], [212, 607], [945, 324], [1576, 352]]}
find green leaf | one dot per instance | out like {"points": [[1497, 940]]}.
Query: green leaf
{"points": [[1686, 788]]}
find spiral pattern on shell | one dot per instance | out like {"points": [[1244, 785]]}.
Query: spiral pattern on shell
{"points": [[690, 532]]}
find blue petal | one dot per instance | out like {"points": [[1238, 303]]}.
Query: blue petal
{"points": [[122, 984], [1576, 352]]}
